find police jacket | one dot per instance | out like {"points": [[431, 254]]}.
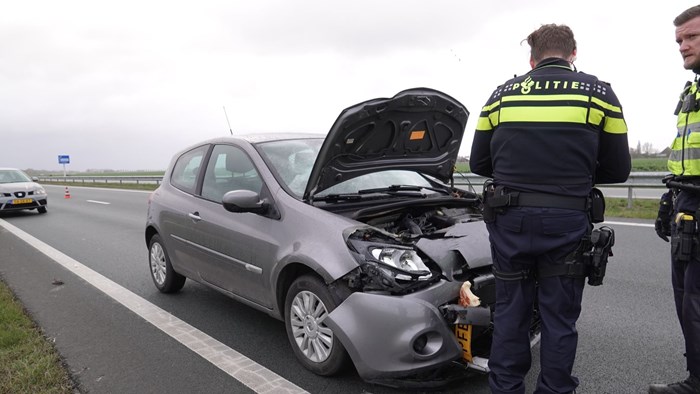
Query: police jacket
{"points": [[552, 130], [685, 150]]}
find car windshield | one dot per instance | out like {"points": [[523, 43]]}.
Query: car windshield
{"points": [[292, 161], [13, 176], [391, 180]]}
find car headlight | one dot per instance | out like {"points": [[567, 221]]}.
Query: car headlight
{"points": [[403, 259], [39, 190], [386, 264]]}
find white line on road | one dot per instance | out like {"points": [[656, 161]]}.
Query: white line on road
{"points": [[240, 367], [98, 202], [629, 224]]}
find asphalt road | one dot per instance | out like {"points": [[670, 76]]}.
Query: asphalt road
{"points": [[629, 335]]}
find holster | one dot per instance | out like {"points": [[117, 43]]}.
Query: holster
{"points": [[684, 240], [602, 240], [590, 259], [489, 212]]}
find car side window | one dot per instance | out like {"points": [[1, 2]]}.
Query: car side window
{"points": [[229, 168], [186, 170]]}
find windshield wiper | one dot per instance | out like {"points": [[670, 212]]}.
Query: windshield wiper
{"points": [[338, 197], [401, 188]]}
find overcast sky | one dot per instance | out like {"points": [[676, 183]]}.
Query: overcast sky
{"points": [[125, 84]]}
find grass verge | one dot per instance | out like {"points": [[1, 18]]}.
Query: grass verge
{"points": [[641, 208], [28, 362]]}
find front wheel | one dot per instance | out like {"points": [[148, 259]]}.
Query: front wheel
{"points": [[41, 209], [164, 276], [307, 305]]}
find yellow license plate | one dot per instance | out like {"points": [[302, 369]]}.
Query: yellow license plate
{"points": [[464, 337], [22, 201]]}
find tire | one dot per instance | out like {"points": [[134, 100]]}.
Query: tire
{"points": [[307, 304], [164, 276], [41, 209]]}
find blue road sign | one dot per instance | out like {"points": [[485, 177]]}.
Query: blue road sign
{"points": [[63, 159]]}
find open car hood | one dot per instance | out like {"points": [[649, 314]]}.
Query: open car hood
{"points": [[418, 129]]}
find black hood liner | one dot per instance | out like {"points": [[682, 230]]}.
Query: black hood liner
{"points": [[418, 129]]}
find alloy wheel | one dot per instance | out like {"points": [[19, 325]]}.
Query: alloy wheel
{"points": [[311, 334], [158, 263]]}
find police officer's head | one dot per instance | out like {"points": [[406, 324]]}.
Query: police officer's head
{"points": [[688, 37], [551, 41]]}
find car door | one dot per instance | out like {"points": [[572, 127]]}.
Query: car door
{"points": [[235, 242], [180, 211]]}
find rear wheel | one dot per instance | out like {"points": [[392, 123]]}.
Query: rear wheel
{"points": [[41, 209], [307, 305], [164, 276]]}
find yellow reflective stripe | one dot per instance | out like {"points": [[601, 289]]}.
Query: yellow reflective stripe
{"points": [[544, 114], [548, 97], [692, 167], [595, 116], [675, 167], [493, 117], [488, 108], [483, 124], [615, 126], [692, 117], [606, 105]]}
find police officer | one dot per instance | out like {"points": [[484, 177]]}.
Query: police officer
{"points": [[545, 138], [684, 164]]}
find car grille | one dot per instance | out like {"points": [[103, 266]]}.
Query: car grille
{"points": [[21, 194]]}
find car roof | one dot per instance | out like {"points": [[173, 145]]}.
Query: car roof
{"points": [[255, 138]]}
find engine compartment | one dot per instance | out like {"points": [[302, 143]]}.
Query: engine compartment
{"points": [[412, 222]]}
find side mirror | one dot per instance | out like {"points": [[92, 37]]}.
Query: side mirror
{"points": [[35, 179], [244, 201]]}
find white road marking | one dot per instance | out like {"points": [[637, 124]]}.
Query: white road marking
{"points": [[98, 202], [629, 224], [238, 366]]}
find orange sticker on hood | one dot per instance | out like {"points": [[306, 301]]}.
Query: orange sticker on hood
{"points": [[417, 135]]}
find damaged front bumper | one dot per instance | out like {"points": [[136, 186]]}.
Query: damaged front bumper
{"points": [[394, 338], [419, 340]]}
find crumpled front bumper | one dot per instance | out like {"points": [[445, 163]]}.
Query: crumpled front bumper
{"points": [[389, 337]]}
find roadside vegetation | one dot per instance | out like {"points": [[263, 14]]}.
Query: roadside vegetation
{"points": [[28, 362]]}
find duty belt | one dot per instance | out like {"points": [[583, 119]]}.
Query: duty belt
{"points": [[544, 200]]}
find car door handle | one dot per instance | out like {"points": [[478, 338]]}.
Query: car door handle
{"points": [[194, 216]]}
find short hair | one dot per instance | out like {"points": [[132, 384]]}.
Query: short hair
{"points": [[551, 40], [685, 16]]}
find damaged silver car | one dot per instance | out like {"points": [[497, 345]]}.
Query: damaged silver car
{"points": [[357, 240]]}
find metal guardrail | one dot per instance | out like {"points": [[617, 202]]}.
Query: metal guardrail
{"points": [[123, 179], [635, 180]]}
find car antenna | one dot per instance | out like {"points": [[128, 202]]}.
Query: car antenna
{"points": [[229, 123]]}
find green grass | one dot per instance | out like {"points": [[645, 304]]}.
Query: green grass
{"points": [[655, 164], [28, 362], [641, 208]]}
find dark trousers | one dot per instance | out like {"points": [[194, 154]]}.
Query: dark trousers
{"points": [[685, 277], [521, 238]]}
